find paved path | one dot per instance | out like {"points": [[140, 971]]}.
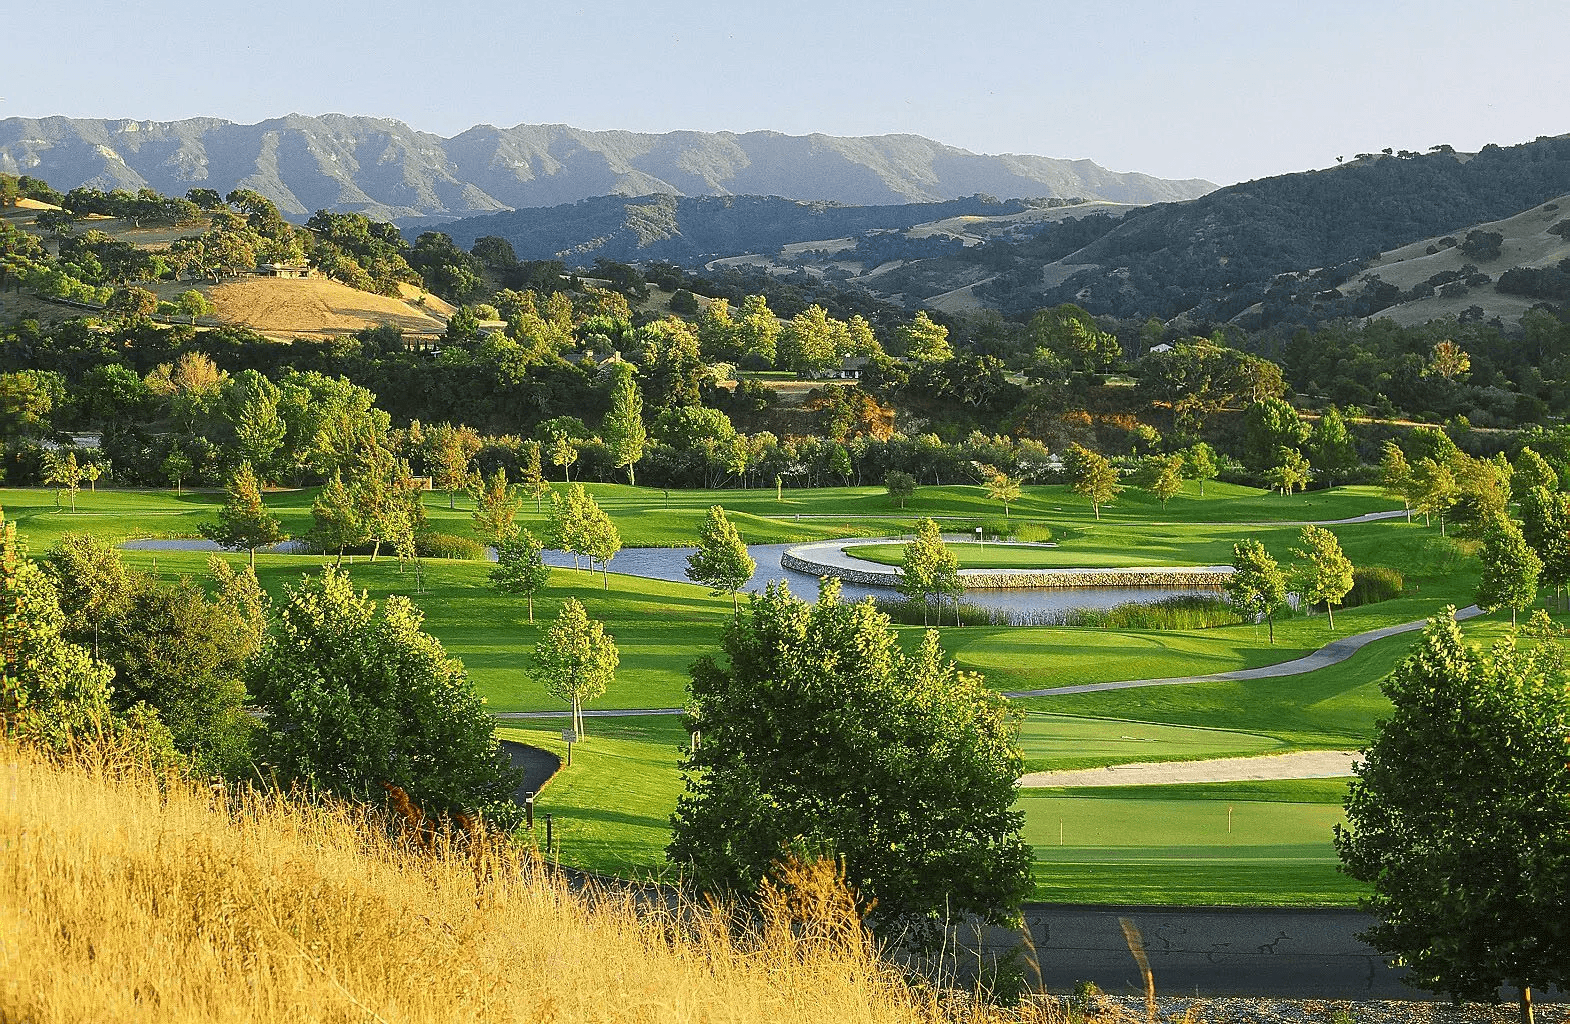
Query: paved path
{"points": [[537, 765], [1287, 953], [1304, 764], [624, 713], [1332, 653], [1367, 517]]}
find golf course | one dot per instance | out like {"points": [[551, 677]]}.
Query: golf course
{"points": [[1239, 843]]}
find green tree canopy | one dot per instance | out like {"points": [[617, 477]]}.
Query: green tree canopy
{"points": [[1434, 490], [623, 431], [576, 659], [1532, 470], [1395, 476], [244, 523], [52, 689], [519, 567], [336, 522], [1002, 487], [1321, 573], [1510, 570], [1199, 463], [1290, 471], [1459, 818], [1331, 449], [820, 735], [496, 506], [1270, 424], [1093, 477], [930, 569], [359, 700], [1256, 584], [721, 562], [1545, 523], [900, 485]]}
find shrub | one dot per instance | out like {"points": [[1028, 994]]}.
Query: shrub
{"points": [[1374, 583], [446, 545]]}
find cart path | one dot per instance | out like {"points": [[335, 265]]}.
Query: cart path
{"points": [[1303, 764], [1367, 517], [1332, 653]]}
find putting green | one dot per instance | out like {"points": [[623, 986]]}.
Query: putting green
{"points": [[1228, 847]]}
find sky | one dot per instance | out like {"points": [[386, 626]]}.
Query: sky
{"points": [[1227, 90]]}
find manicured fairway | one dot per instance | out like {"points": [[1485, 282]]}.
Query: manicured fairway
{"points": [[1057, 742], [1150, 844], [611, 809], [1155, 844], [1140, 845]]}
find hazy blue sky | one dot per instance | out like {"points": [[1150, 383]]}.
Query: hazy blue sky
{"points": [[1221, 90]]}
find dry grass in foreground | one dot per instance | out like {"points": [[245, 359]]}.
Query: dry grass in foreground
{"points": [[127, 897]]}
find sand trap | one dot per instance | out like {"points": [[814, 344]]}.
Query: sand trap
{"points": [[1307, 764]]}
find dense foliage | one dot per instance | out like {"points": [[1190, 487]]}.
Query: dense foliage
{"points": [[819, 736]]}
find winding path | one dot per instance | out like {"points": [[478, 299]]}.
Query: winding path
{"points": [[1332, 653], [1367, 517]]}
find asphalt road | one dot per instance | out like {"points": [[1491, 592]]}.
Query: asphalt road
{"points": [[1285, 953]]}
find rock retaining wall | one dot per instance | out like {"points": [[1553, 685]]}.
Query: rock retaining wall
{"points": [[1024, 579]]}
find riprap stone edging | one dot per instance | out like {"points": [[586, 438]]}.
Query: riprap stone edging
{"points": [[1175, 577]]}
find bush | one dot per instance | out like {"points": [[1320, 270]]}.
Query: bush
{"points": [[446, 545], [683, 301], [1482, 245], [1374, 583]]}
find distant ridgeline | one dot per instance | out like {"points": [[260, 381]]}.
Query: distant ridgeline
{"points": [[391, 172], [1214, 257], [683, 229]]}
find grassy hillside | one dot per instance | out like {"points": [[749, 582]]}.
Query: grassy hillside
{"points": [[140, 899]]}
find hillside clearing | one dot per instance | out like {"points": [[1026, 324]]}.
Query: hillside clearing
{"points": [[314, 307]]}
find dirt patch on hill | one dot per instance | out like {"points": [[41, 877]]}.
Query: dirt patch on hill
{"points": [[316, 307]]}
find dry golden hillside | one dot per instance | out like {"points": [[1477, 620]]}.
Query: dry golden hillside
{"points": [[138, 898], [316, 307]]}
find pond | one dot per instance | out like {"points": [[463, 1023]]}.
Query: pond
{"points": [[1019, 606]]}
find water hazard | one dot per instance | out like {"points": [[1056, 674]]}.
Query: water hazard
{"points": [[1020, 606]]}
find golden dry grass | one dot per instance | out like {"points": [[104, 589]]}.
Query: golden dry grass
{"points": [[131, 898], [314, 307]]}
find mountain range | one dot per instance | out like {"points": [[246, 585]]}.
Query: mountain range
{"points": [[390, 171]]}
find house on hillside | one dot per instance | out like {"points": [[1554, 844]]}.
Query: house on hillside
{"points": [[850, 368], [283, 270]]}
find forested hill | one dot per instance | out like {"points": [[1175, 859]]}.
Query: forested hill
{"points": [[683, 228], [389, 171], [1219, 255]]}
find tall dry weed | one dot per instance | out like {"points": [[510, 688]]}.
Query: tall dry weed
{"points": [[129, 895]]}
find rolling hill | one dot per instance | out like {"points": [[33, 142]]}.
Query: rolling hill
{"points": [[389, 171]]}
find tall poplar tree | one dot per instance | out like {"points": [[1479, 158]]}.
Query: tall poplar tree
{"points": [[623, 430]]}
